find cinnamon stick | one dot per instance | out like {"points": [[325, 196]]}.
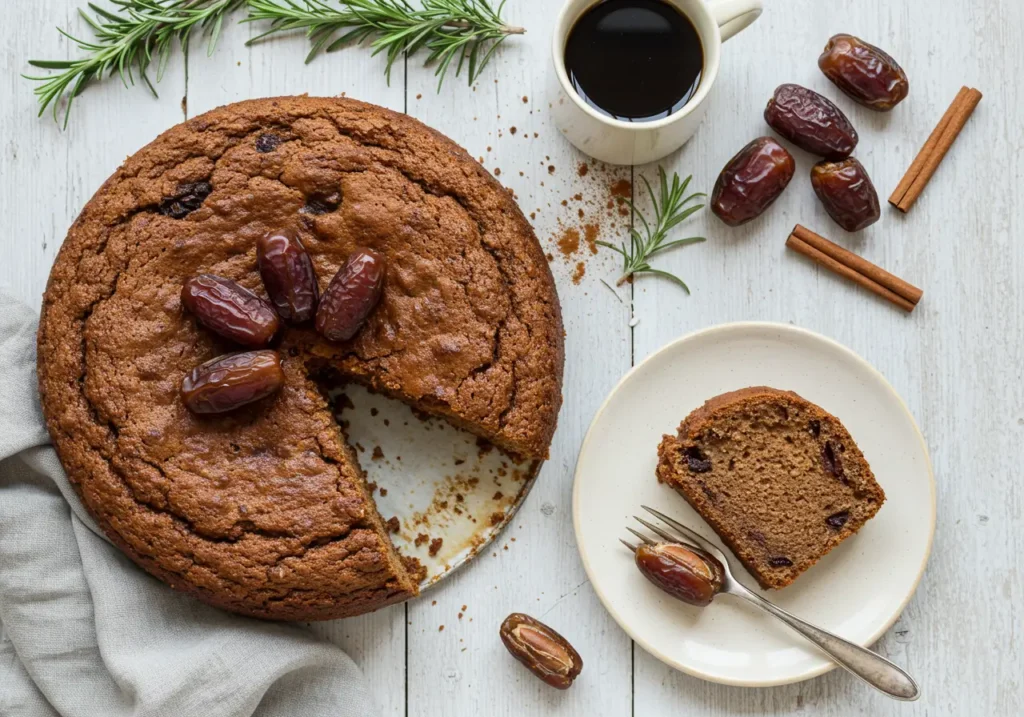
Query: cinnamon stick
{"points": [[855, 268], [934, 149]]}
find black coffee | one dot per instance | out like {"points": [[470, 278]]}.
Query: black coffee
{"points": [[634, 60]]}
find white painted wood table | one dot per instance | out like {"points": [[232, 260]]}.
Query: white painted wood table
{"points": [[957, 360]]}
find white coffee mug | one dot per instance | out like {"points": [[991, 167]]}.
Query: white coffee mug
{"points": [[620, 142]]}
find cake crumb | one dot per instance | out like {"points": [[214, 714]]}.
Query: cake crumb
{"points": [[525, 99], [435, 546], [512, 130], [440, 628], [569, 242], [583, 169], [498, 495], [577, 275], [383, 492], [420, 540], [393, 525], [551, 169], [496, 518], [377, 455]]}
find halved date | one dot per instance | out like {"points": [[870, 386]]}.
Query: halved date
{"points": [[545, 653], [288, 275], [230, 310], [811, 122], [751, 181], [864, 72], [351, 296], [846, 191], [681, 572], [231, 381]]}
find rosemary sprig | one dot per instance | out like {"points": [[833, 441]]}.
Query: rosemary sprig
{"points": [[130, 36], [470, 30], [670, 208]]}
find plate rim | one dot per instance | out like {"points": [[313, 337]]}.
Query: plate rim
{"points": [[734, 327]]}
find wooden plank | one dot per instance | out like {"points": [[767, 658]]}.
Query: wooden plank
{"points": [[276, 67], [49, 172], [959, 245], [533, 567]]}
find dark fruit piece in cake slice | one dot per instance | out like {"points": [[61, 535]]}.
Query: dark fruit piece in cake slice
{"points": [[780, 480]]}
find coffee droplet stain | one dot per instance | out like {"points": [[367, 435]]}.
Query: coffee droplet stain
{"points": [[634, 60]]}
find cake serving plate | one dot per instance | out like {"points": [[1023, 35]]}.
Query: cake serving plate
{"points": [[439, 482], [857, 591]]}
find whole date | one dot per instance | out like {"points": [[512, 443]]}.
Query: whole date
{"points": [[351, 296], [230, 310], [751, 181], [811, 122], [864, 72], [232, 381], [543, 651], [846, 191], [288, 275], [682, 573]]}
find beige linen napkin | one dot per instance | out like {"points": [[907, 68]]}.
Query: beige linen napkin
{"points": [[85, 633]]}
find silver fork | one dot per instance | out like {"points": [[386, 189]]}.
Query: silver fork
{"points": [[869, 666]]}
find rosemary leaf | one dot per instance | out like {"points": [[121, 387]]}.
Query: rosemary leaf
{"points": [[671, 206], [464, 30], [126, 39]]}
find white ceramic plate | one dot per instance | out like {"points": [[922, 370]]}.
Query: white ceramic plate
{"points": [[858, 590]]}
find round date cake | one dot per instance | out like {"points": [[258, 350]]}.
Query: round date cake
{"points": [[265, 510]]}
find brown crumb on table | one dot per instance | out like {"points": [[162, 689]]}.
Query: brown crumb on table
{"points": [[383, 492], [512, 130], [551, 169], [582, 169], [435, 546], [496, 518], [420, 540], [497, 171], [420, 97], [374, 411], [525, 99], [459, 461], [440, 628], [577, 275], [393, 525], [460, 615], [371, 487], [433, 602], [498, 496], [569, 242], [377, 454]]}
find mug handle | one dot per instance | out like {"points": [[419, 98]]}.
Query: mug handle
{"points": [[733, 16]]}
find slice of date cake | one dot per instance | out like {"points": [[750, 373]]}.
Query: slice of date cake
{"points": [[780, 480]]}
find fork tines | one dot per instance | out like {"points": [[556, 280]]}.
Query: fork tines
{"points": [[679, 533]]}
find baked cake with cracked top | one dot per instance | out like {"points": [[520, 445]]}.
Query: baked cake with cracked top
{"points": [[780, 480], [264, 511]]}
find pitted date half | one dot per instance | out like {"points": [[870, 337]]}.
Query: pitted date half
{"points": [[811, 122], [751, 181], [543, 651], [231, 381], [351, 296], [846, 191], [288, 275], [230, 310], [864, 72], [681, 572]]}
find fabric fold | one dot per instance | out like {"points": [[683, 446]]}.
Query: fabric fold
{"points": [[86, 633]]}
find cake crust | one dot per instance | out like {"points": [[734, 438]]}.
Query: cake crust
{"points": [[778, 478], [264, 511]]}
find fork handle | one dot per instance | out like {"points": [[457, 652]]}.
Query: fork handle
{"points": [[869, 666]]}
